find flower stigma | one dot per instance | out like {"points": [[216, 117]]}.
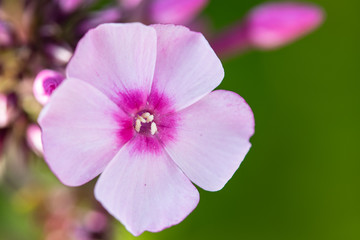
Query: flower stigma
{"points": [[145, 123]]}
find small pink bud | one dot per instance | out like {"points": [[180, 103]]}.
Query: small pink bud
{"points": [[33, 138], [175, 11], [8, 109], [273, 25], [269, 26], [45, 83]]}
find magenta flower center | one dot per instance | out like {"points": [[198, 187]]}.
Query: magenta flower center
{"points": [[144, 123]]}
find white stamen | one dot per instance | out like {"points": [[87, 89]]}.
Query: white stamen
{"points": [[150, 118], [145, 115], [141, 119], [153, 128], [137, 125]]}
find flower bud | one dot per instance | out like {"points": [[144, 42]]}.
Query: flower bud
{"points": [[45, 83], [273, 25], [269, 26]]}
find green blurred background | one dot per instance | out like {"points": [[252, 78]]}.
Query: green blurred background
{"points": [[301, 178]]}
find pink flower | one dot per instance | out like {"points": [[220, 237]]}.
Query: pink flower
{"points": [[33, 138], [269, 26], [45, 83], [137, 107]]}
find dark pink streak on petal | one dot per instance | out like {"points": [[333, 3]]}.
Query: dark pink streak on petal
{"points": [[126, 129], [146, 144], [165, 116], [159, 102], [132, 101]]}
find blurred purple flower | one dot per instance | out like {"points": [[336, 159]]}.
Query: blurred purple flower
{"points": [[94, 226], [137, 107], [129, 4], [175, 11], [273, 25], [33, 138], [45, 83], [6, 38], [269, 26], [69, 6]]}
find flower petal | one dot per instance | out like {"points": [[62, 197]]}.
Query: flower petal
{"points": [[145, 191], [81, 131], [186, 66], [116, 58], [213, 139]]}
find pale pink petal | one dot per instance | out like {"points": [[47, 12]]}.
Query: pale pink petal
{"points": [[82, 130], [145, 191], [175, 11], [272, 25], [213, 139], [116, 59], [186, 67]]}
